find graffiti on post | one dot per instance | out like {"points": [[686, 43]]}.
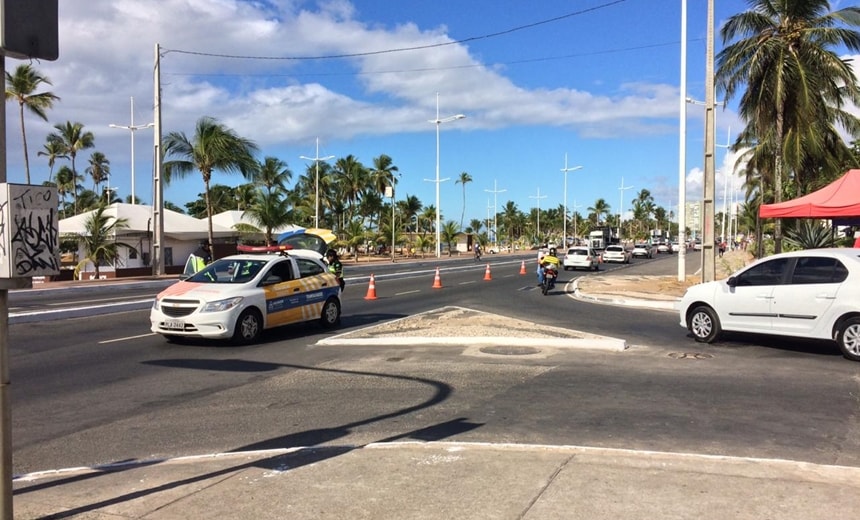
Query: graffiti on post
{"points": [[29, 234]]}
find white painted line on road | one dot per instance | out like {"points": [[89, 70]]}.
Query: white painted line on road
{"points": [[105, 342], [407, 292], [466, 283]]}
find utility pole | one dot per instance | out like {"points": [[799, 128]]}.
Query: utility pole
{"points": [[708, 255], [316, 159], [564, 224], [682, 161], [538, 197], [495, 191], [158, 187], [622, 189]]}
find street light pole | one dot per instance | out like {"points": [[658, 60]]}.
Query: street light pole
{"points": [[564, 224], [621, 209], [316, 159], [495, 191], [131, 128], [439, 122], [538, 197]]}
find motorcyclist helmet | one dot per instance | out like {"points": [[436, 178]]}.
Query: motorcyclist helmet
{"points": [[552, 251]]}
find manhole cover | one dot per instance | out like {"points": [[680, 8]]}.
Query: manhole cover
{"points": [[510, 351], [690, 355]]}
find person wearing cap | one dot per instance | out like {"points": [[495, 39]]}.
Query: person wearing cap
{"points": [[335, 267]]}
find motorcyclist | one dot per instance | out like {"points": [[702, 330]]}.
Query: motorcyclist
{"points": [[335, 267], [548, 261]]}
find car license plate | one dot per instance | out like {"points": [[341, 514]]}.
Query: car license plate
{"points": [[174, 324]]}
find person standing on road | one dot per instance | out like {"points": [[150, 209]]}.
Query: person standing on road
{"points": [[335, 267]]}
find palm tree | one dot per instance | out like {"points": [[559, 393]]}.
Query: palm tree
{"points": [[383, 173], [53, 151], [71, 137], [796, 85], [464, 179], [21, 86], [99, 239], [599, 209], [273, 175], [270, 211], [213, 147], [352, 180], [99, 169], [448, 234], [65, 181]]}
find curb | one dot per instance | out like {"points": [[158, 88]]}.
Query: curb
{"points": [[666, 306]]}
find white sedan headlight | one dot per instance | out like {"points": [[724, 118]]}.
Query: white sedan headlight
{"points": [[222, 305]]}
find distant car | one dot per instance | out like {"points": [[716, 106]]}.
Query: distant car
{"points": [[643, 250], [581, 258], [697, 245], [805, 294], [664, 247], [676, 247], [616, 254], [238, 296]]}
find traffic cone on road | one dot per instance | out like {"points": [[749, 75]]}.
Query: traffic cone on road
{"points": [[523, 268], [371, 289], [437, 281], [487, 276]]}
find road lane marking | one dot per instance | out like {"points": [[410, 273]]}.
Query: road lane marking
{"points": [[126, 338], [407, 292]]}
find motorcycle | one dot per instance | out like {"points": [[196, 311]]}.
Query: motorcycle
{"points": [[549, 276]]}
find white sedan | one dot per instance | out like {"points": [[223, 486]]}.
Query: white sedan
{"points": [[239, 296], [805, 294], [581, 257], [616, 254]]}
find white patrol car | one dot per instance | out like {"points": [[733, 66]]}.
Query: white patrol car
{"points": [[238, 296]]}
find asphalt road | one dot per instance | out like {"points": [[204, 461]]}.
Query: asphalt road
{"points": [[100, 389]]}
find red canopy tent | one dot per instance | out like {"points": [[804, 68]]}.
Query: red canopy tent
{"points": [[839, 200]]}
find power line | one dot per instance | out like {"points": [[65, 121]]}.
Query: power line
{"points": [[402, 49], [432, 69]]}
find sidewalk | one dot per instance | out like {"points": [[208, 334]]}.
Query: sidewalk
{"points": [[442, 480]]}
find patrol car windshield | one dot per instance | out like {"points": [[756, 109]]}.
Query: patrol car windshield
{"points": [[226, 270]]}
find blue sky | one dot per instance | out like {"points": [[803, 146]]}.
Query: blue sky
{"points": [[597, 80]]}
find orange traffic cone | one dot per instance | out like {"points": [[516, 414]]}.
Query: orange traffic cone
{"points": [[437, 281], [523, 268], [371, 289], [487, 276]]}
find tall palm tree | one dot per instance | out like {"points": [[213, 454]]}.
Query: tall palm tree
{"points": [[352, 180], [600, 208], [269, 211], [53, 151], [212, 147], [273, 175], [464, 179], [21, 86], [72, 138], [383, 173], [796, 85], [98, 170], [66, 183]]}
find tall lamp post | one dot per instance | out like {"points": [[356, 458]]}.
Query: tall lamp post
{"points": [[495, 191], [621, 188], [565, 170], [538, 197], [316, 159], [438, 122], [131, 128]]}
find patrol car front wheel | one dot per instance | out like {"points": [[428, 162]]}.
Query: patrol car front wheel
{"points": [[330, 315], [249, 326]]}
